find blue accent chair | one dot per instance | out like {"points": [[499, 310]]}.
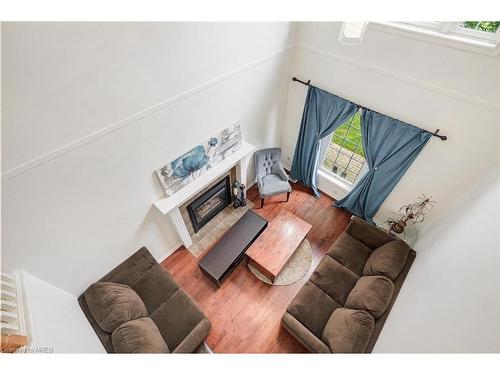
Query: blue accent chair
{"points": [[270, 174]]}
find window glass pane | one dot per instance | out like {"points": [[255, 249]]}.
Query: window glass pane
{"points": [[359, 153], [336, 139], [486, 26], [356, 122], [344, 155], [341, 131], [355, 165], [350, 175]]}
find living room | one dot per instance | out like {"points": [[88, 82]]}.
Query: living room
{"points": [[251, 187]]}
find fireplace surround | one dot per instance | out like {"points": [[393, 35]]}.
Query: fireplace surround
{"points": [[206, 206], [170, 206]]}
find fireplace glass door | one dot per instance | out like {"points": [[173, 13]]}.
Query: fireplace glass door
{"points": [[205, 207]]}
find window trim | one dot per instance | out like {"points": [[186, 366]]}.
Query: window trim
{"points": [[338, 182], [425, 32]]}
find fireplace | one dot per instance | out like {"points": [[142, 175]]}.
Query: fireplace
{"points": [[206, 206]]}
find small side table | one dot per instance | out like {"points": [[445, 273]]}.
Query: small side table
{"points": [[410, 234]]}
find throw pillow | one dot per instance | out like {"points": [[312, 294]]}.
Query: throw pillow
{"points": [[348, 331], [113, 304], [371, 293], [387, 260], [138, 336]]}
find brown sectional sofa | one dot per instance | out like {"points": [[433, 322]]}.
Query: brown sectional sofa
{"points": [[345, 303], [139, 308]]}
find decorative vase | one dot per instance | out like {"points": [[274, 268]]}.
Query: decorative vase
{"points": [[398, 226]]}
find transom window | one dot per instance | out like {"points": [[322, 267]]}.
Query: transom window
{"points": [[484, 26], [344, 155], [478, 30]]}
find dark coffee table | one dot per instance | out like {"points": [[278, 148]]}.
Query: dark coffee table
{"points": [[228, 252]]}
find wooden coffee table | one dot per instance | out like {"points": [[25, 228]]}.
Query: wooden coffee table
{"points": [[272, 250]]}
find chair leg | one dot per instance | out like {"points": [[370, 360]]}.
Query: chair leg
{"points": [[287, 196], [261, 202]]}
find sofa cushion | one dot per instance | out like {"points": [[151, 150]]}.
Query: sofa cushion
{"points": [[387, 260], [312, 307], [348, 331], [176, 318], [350, 252], [155, 287], [334, 279], [132, 268], [138, 336], [273, 184], [371, 293], [368, 234], [113, 304]]}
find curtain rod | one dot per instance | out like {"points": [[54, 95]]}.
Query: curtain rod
{"points": [[308, 83]]}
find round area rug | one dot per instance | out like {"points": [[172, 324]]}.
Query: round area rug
{"points": [[296, 269]]}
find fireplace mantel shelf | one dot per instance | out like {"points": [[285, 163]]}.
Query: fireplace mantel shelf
{"points": [[170, 205]]}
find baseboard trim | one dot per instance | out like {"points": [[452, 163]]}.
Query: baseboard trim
{"points": [[168, 252], [138, 115]]}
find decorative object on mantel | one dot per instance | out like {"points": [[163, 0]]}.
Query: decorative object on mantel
{"points": [[239, 195], [412, 214], [186, 168]]}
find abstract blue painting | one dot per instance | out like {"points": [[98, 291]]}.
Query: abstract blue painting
{"points": [[186, 168]]}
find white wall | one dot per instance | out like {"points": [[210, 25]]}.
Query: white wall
{"points": [[450, 301], [59, 324], [415, 81], [71, 218]]}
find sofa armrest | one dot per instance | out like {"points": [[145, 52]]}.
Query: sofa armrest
{"points": [[195, 337], [367, 233], [303, 335]]}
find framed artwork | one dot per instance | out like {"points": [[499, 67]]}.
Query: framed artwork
{"points": [[187, 167]]}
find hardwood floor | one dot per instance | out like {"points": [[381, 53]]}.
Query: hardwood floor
{"points": [[246, 313]]}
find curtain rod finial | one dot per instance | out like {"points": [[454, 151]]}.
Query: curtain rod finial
{"points": [[441, 137]]}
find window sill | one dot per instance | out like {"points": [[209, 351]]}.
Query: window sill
{"points": [[333, 186], [432, 36]]}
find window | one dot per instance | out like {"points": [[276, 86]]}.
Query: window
{"points": [[485, 30], [475, 30], [352, 32], [485, 26], [343, 153]]}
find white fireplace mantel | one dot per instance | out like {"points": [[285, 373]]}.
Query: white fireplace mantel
{"points": [[170, 205]]}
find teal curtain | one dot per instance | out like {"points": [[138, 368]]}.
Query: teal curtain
{"points": [[390, 146], [323, 113]]}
